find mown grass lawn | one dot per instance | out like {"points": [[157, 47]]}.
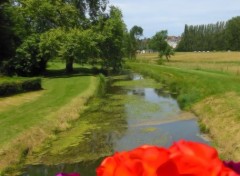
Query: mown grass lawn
{"points": [[30, 118], [57, 92]]}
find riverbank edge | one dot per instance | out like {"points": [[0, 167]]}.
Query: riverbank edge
{"points": [[216, 115], [14, 154]]}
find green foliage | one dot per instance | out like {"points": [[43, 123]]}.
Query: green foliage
{"points": [[158, 43], [102, 85], [112, 45], [233, 33], [33, 84], [80, 46], [27, 61], [220, 36], [50, 42], [167, 52], [14, 87], [203, 37], [91, 8], [203, 127], [132, 43], [191, 86], [40, 16], [7, 45], [73, 30]]}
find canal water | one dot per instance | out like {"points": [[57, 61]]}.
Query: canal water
{"points": [[134, 111]]}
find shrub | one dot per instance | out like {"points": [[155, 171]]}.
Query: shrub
{"points": [[10, 88]]}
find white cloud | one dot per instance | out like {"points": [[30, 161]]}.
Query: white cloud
{"points": [[172, 15]]}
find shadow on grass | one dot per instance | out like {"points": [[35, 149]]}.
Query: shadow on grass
{"points": [[61, 73]]}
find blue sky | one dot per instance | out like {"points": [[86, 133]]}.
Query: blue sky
{"points": [[172, 15]]}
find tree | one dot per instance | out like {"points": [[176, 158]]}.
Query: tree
{"points": [[203, 37], [79, 46], [27, 61], [91, 8], [233, 33], [113, 43], [134, 34], [7, 44], [49, 44], [41, 16], [51, 21], [158, 43], [168, 52]]}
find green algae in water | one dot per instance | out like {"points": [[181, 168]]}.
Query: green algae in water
{"points": [[88, 137], [78, 144], [141, 83], [149, 129]]}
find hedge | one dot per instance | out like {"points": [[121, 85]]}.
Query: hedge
{"points": [[10, 88]]}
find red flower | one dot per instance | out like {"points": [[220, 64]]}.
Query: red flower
{"points": [[197, 159], [181, 159], [144, 161]]}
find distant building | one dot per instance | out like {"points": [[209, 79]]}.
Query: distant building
{"points": [[173, 41]]}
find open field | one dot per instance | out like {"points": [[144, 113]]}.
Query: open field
{"points": [[26, 120], [213, 94], [225, 62]]}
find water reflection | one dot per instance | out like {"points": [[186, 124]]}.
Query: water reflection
{"points": [[81, 167], [124, 119]]}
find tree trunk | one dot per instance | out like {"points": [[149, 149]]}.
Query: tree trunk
{"points": [[43, 65], [69, 65]]}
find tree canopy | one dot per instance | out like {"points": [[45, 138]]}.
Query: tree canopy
{"points": [[158, 43], [211, 37], [33, 32]]}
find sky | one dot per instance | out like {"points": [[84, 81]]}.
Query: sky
{"points": [[172, 15]]}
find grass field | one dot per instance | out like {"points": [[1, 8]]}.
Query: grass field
{"points": [[202, 87], [225, 62], [26, 120]]}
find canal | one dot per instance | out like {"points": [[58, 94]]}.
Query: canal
{"points": [[134, 110]]}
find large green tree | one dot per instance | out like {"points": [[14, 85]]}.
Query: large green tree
{"points": [[158, 43], [112, 46], [203, 37], [79, 46], [7, 44], [73, 30], [233, 33], [46, 19], [133, 41]]}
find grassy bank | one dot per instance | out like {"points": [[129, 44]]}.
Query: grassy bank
{"points": [[31, 118], [212, 95]]}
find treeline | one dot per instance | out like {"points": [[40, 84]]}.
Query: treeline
{"points": [[219, 37], [32, 32]]}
